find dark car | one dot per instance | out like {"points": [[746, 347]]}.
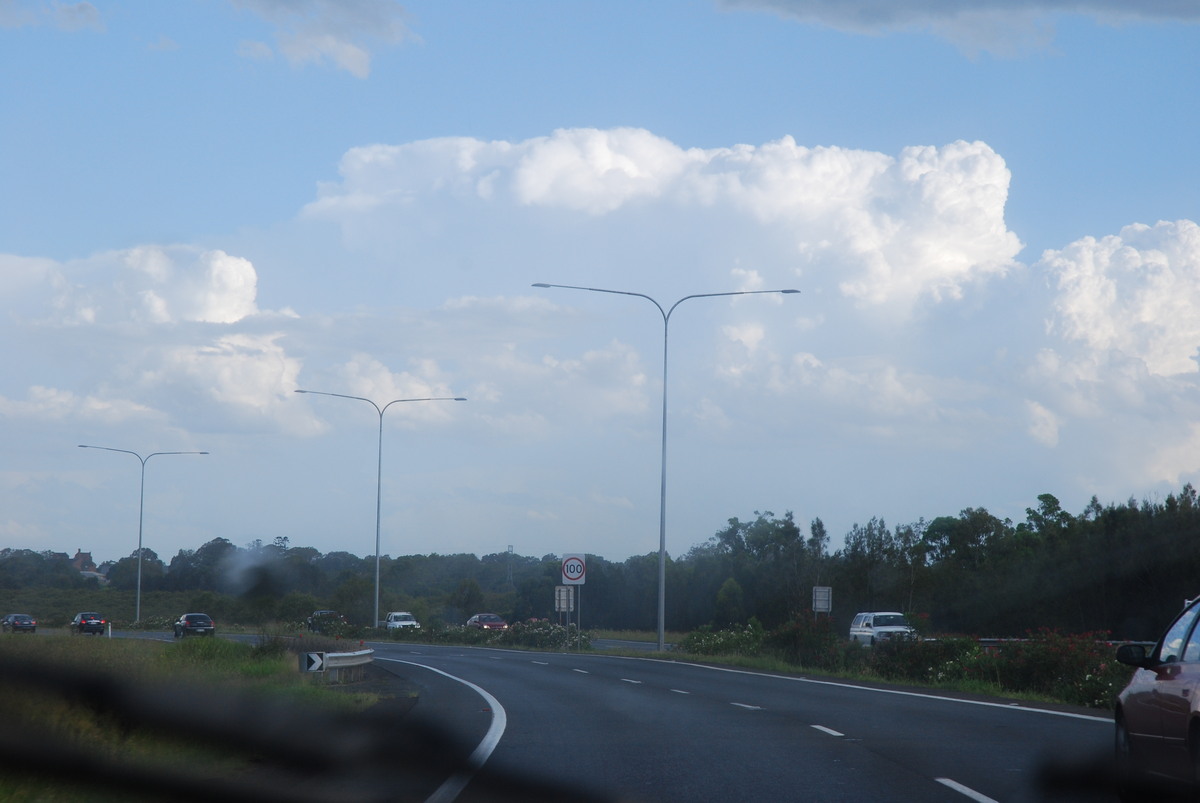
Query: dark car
{"points": [[18, 623], [88, 622], [1158, 713], [195, 624], [487, 621], [327, 622]]}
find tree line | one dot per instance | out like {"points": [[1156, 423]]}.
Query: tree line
{"points": [[1122, 569]]}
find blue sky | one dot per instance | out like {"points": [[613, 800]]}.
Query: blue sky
{"points": [[205, 205]]}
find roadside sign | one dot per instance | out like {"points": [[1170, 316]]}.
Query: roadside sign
{"points": [[564, 599], [574, 570], [822, 599], [314, 662]]}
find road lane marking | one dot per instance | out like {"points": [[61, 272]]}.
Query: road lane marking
{"points": [[581, 671], [939, 697], [830, 731], [541, 663], [680, 691], [965, 790], [627, 680], [453, 786], [748, 707]]}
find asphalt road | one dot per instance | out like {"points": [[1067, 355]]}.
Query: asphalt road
{"points": [[652, 730]]}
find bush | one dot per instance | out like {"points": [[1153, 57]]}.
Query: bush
{"points": [[1078, 669], [809, 641], [745, 640]]}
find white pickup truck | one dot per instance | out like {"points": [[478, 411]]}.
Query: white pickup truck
{"points": [[397, 619]]}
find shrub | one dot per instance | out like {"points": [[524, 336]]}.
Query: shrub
{"points": [[744, 640], [809, 641]]}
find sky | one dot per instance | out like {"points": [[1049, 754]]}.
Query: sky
{"points": [[989, 210]]}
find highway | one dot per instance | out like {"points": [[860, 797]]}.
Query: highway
{"points": [[652, 730]]}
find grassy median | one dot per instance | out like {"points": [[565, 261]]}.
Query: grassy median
{"points": [[76, 708]]}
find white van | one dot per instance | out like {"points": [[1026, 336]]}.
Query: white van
{"points": [[397, 619], [870, 627]]}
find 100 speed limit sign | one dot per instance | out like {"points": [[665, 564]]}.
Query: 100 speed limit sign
{"points": [[574, 570]]}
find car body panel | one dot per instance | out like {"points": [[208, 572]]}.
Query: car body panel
{"points": [[397, 620], [18, 623], [487, 621], [88, 622], [1160, 706], [869, 627], [195, 624]]}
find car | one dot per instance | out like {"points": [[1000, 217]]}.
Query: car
{"points": [[18, 623], [87, 622], [195, 624], [1157, 714], [870, 627], [487, 621], [327, 622], [397, 620]]}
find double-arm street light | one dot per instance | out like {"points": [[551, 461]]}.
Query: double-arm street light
{"points": [[141, 507], [379, 468], [662, 502]]}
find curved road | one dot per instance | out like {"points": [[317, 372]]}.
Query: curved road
{"points": [[643, 729]]}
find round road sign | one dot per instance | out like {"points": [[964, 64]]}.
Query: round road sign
{"points": [[574, 568]]}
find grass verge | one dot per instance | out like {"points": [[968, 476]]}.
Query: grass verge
{"points": [[75, 706]]}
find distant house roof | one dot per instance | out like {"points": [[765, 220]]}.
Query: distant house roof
{"points": [[83, 561]]}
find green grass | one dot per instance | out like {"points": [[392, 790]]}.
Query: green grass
{"points": [[186, 668]]}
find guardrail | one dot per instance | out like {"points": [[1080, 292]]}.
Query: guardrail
{"points": [[337, 667]]}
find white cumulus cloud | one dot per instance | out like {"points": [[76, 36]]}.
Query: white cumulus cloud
{"points": [[1136, 293], [923, 224]]}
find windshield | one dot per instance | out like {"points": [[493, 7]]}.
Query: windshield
{"points": [[891, 620]]}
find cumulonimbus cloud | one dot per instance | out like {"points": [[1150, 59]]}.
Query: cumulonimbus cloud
{"points": [[1135, 293], [923, 223]]}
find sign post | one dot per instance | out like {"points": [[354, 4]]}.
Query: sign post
{"points": [[574, 573]]}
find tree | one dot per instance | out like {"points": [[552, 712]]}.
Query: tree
{"points": [[730, 603]]}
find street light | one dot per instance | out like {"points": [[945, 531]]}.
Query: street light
{"points": [[141, 508], [379, 467], [662, 501]]}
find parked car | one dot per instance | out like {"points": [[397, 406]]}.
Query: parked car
{"points": [[401, 619], [87, 622], [327, 622], [1157, 714], [195, 624], [487, 621], [874, 626], [18, 623]]}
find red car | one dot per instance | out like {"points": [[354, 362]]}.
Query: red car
{"points": [[1158, 712], [487, 621]]}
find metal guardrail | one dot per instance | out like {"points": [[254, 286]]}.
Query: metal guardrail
{"points": [[337, 667]]}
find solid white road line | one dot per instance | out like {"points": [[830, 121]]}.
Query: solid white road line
{"points": [[454, 785], [965, 790]]}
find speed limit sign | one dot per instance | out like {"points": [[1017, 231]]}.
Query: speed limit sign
{"points": [[574, 570]]}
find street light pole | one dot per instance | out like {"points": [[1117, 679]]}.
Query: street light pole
{"points": [[379, 468], [662, 499], [141, 509]]}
